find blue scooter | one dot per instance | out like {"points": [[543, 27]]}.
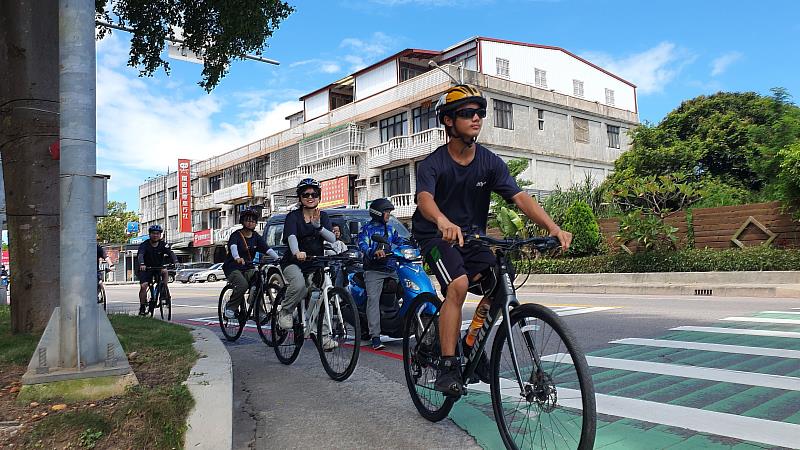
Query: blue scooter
{"points": [[396, 297]]}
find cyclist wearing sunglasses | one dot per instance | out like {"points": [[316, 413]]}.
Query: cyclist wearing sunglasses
{"points": [[304, 231], [454, 186]]}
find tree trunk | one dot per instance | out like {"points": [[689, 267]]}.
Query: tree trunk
{"points": [[28, 126]]}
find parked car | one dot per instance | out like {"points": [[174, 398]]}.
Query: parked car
{"points": [[350, 220], [186, 270], [211, 274]]}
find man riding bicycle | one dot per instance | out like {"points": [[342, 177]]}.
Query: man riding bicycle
{"points": [[454, 186], [304, 231], [152, 253], [376, 263], [238, 266]]}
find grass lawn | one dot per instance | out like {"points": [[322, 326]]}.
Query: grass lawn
{"points": [[151, 415]]}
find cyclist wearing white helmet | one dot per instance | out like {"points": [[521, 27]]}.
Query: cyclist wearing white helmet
{"points": [[152, 253], [304, 231], [454, 185]]}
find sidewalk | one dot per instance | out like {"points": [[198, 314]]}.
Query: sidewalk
{"points": [[718, 284]]}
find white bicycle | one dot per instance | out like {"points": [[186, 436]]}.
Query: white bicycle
{"points": [[327, 315]]}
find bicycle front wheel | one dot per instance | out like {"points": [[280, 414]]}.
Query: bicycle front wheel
{"points": [[287, 343], [339, 346], [231, 328], [556, 406], [421, 356], [165, 305]]}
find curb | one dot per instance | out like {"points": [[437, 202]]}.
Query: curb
{"points": [[211, 385]]}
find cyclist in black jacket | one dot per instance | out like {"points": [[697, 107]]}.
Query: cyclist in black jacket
{"points": [[152, 253]]}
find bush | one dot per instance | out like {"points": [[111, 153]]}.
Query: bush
{"points": [[581, 222], [649, 232], [689, 260]]}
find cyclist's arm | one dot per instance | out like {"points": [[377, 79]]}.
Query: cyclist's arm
{"points": [[140, 255], [535, 212], [429, 210], [234, 251], [261, 245], [173, 256], [325, 231]]}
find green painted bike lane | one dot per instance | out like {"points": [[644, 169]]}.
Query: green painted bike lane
{"points": [[473, 413]]}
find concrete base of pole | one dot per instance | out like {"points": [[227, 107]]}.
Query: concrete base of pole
{"points": [[45, 364], [69, 391]]}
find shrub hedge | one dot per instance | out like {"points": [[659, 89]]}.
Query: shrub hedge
{"points": [[688, 260]]}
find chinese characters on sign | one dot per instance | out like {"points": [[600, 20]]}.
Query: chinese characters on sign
{"points": [[335, 192], [203, 238], [185, 195]]}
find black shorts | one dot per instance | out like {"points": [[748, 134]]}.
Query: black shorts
{"points": [[449, 262], [147, 275]]}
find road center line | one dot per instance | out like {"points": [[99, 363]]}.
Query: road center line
{"points": [[745, 331], [724, 348], [677, 370]]}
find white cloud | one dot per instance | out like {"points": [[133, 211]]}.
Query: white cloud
{"points": [[721, 63], [321, 65], [415, 2], [650, 70], [143, 127]]}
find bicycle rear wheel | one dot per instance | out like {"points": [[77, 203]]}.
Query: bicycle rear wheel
{"points": [[231, 328], [152, 295], [101, 295], [264, 312], [556, 407], [421, 356], [340, 361], [287, 343]]}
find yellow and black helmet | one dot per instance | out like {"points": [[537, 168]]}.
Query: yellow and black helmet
{"points": [[456, 96]]}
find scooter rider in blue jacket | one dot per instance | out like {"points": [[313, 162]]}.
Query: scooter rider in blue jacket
{"points": [[376, 262]]}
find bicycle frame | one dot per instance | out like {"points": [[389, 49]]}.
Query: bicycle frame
{"points": [[309, 315]]}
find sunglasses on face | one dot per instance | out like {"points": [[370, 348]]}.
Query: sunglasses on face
{"points": [[309, 195], [469, 113]]}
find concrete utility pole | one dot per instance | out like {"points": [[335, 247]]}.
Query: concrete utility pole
{"points": [[79, 341]]}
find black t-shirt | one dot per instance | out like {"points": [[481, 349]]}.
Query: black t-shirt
{"points": [[462, 193], [308, 237], [155, 256], [254, 243], [101, 252]]}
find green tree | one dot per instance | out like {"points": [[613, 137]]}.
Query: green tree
{"points": [[112, 229], [507, 216], [220, 30]]}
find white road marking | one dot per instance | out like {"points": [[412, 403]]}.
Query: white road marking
{"points": [[745, 331], [779, 312], [723, 348], [717, 423], [677, 370], [763, 320], [560, 310]]}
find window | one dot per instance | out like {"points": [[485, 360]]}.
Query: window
{"points": [[502, 67], [394, 126], [173, 193], [540, 114], [577, 88], [503, 115], [407, 71], [215, 219], [581, 130], [424, 118], [396, 181], [161, 198], [610, 97], [540, 78], [613, 136], [214, 183]]}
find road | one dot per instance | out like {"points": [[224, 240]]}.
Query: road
{"points": [[670, 372]]}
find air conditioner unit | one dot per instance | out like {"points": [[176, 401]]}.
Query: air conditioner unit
{"points": [[375, 180], [360, 183]]}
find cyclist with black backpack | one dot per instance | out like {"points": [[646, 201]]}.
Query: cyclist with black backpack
{"points": [[238, 266]]}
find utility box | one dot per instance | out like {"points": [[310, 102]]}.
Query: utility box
{"points": [[100, 201]]}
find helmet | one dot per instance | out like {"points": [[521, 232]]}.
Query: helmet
{"points": [[456, 96], [249, 212], [155, 229], [308, 183], [378, 207]]}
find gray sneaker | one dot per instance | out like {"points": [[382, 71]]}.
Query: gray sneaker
{"points": [[230, 312], [329, 344], [285, 320]]}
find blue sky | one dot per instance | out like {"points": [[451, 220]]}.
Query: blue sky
{"points": [[672, 51]]}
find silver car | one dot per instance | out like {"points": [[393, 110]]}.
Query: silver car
{"points": [[211, 274], [189, 269]]}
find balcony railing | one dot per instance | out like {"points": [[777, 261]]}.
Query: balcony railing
{"points": [[334, 168], [335, 142], [404, 205], [260, 188], [406, 148], [203, 203], [233, 193], [287, 180]]}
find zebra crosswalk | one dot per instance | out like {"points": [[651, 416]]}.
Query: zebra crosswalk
{"points": [[731, 384]]}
